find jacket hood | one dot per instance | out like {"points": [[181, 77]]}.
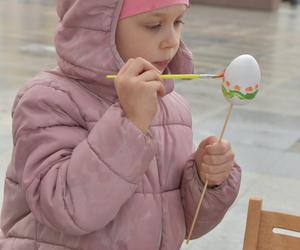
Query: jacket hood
{"points": [[85, 44]]}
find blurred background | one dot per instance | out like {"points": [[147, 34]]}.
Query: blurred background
{"points": [[265, 134]]}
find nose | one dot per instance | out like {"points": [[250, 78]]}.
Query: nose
{"points": [[171, 39]]}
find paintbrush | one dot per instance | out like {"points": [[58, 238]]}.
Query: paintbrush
{"points": [[183, 76]]}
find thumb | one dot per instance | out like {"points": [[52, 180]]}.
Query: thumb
{"points": [[201, 148], [208, 141]]}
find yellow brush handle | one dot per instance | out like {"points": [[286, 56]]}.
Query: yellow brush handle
{"points": [[180, 76]]}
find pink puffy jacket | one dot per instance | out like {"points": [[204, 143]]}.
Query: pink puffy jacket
{"points": [[82, 176]]}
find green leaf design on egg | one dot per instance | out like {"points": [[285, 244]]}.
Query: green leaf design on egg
{"points": [[234, 93]]}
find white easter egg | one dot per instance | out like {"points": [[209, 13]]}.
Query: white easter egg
{"points": [[241, 80]]}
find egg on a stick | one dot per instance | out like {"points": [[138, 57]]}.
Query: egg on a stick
{"points": [[241, 83]]}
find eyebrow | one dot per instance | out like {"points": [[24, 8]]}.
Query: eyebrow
{"points": [[161, 14]]}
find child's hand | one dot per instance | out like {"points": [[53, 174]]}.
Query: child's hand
{"points": [[138, 83], [214, 160]]}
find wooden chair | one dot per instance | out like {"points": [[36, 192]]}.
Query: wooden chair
{"points": [[259, 233]]}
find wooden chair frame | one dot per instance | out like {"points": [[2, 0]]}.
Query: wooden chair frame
{"points": [[259, 233]]}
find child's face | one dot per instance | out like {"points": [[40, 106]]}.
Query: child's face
{"points": [[154, 35]]}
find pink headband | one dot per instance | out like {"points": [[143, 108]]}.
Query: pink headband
{"points": [[134, 7]]}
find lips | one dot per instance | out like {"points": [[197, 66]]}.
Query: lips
{"points": [[161, 65]]}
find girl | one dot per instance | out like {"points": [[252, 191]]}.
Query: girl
{"points": [[103, 165]]}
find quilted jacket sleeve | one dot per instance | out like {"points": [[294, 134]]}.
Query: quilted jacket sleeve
{"points": [[216, 201], [72, 178]]}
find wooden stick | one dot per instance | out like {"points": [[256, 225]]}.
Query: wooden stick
{"points": [[206, 182], [226, 122], [197, 212]]}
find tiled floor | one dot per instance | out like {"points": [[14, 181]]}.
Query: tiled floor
{"points": [[265, 134]]}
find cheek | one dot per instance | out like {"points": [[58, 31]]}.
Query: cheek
{"points": [[139, 47], [126, 48], [133, 49], [134, 42], [125, 41]]}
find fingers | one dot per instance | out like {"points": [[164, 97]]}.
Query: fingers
{"points": [[218, 148], [219, 158], [217, 169], [135, 67], [215, 160], [142, 72], [158, 87], [150, 75]]}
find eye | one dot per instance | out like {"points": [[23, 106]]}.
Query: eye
{"points": [[178, 22], [154, 26]]}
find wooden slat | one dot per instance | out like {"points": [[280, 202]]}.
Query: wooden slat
{"points": [[268, 240], [253, 223], [282, 220]]}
